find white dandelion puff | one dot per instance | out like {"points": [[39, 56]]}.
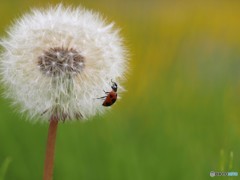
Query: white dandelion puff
{"points": [[57, 61]]}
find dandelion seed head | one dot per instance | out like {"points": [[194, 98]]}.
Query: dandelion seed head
{"points": [[57, 61], [61, 62]]}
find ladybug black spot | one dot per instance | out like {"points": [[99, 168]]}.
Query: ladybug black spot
{"points": [[113, 100], [110, 96], [108, 104]]}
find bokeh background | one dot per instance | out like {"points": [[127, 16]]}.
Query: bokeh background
{"points": [[180, 117]]}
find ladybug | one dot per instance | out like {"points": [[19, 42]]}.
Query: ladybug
{"points": [[110, 97]]}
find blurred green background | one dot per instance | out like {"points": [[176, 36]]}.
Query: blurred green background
{"points": [[180, 117]]}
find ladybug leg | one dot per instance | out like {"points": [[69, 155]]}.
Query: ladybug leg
{"points": [[101, 97], [106, 92]]}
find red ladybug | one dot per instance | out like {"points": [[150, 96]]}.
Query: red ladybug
{"points": [[111, 97]]}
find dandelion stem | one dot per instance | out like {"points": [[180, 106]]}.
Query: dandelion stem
{"points": [[49, 159]]}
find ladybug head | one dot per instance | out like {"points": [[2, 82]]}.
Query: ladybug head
{"points": [[114, 86]]}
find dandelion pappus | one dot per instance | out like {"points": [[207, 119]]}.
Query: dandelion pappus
{"points": [[111, 96]]}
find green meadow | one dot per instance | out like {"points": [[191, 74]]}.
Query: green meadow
{"points": [[179, 118]]}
